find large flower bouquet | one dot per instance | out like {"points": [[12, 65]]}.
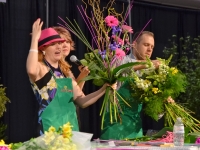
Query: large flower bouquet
{"points": [[110, 43], [157, 89]]}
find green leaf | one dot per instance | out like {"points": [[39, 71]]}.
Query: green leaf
{"points": [[84, 62], [98, 82], [131, 64]]}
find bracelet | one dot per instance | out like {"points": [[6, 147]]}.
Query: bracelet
{"points": [[33, 50]]}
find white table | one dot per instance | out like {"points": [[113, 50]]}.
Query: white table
{"points": [[106, 146], [148, 148]]}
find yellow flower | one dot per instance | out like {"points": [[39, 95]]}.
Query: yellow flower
{"points": [[48, 137], [10, 146], [67, 130], [52, 129], [155, 90], [2, 142], [174, 70], [66, 140], [67, 135]]}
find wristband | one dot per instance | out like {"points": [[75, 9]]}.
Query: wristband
{"points": [[33, 50]]}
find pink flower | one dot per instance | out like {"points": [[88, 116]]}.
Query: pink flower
{"points": [[119, 53], [126, 28], [118, 39], [111, 21], [4, 148], [197, 141]]}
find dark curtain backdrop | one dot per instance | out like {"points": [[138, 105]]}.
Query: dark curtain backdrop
{"points": [[16, 19]]}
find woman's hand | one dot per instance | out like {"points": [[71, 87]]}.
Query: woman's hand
{"points": [[84, 71], [113, 86], [36, 29]]}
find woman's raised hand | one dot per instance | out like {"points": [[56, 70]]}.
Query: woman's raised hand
{"points": [[36, 29]]}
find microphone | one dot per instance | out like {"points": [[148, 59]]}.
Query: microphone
{"points": [[74, 59]]}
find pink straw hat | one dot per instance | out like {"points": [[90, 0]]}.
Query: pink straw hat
{"points": [[48, 36]]}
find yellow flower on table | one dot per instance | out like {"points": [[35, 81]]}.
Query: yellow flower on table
{"points": [[52, 129], [67, 130], [2, 142]]}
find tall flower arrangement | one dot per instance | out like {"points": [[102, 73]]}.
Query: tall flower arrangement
{"points": [[157, 90], [110, 43]]}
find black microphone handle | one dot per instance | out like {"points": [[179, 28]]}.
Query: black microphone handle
{"points": [[78, 63]]}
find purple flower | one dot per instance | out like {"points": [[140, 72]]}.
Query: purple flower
{"points": [[103, 53], [113, 46], [115, 30]]}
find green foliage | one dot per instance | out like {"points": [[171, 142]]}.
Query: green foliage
{"points": [[186, 52], [3, 100], [2, 131]]}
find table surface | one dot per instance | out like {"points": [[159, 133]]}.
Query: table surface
{"points": [[106, 146]]}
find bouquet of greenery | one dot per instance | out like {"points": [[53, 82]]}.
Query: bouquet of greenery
{"points": [[110, 35], [157, 89]]}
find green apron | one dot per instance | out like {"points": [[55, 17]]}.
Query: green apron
{"points": [[131, 126], [61, 109]]}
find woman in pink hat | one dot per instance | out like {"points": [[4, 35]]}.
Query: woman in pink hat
{"points": [[53, 87]]}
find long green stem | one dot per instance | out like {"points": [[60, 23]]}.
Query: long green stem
{"points": [[122, 99], [174, 110]]}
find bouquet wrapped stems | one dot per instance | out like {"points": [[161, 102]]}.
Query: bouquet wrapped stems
{"points": [[111, 105], [174, 110]]}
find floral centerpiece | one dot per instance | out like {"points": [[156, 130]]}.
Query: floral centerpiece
{"points": [[110, 43], [51, 140], [157, 89]]}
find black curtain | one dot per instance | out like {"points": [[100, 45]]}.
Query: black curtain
{"points": [[16, 19]]}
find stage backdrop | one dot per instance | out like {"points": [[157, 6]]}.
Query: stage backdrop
{"points": [[16, 19]]}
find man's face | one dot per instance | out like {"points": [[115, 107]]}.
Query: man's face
{"points": [[144, 47]]}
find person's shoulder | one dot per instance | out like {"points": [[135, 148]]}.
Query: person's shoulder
{"points": [[128, 59]]}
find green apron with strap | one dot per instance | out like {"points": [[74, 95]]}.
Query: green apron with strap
{"points": [[131, 125], [61, 109]]}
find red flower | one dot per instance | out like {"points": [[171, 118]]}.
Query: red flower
{"points": [[126, 28], [111, 21]]}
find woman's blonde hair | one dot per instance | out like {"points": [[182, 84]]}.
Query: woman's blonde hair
{"points": [[64, 66], [66, 34]]}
